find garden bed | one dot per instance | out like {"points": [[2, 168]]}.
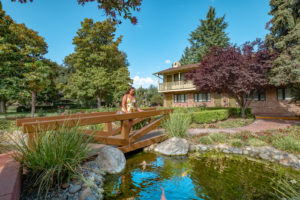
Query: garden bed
{"points": [[232, 122]]}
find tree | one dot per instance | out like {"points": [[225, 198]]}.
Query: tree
{"points": [[100, 67], [285, 38], [157, 100], [210, 32], [112, 8], [39, 76], [20, 47], [9, 60], [236, 71]]}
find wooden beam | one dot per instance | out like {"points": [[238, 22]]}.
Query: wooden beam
{"points": [[146, 129], [95, 132], [19, 122], [108, 127], [110, 140], [143, 143], [54, 124], [125, 130]]}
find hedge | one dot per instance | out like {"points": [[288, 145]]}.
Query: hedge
{"points": [[210, 116]]}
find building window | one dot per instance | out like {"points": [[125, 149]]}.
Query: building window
{"points": [[176, 77], [180, 98], [284, 94], [201, 97], [182, 77], [259, 95]]}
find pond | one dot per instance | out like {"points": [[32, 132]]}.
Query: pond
{"points": [[199, 176]]}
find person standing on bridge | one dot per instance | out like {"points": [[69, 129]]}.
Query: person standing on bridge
{"points": [[129, 103]]}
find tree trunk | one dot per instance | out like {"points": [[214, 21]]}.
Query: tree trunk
{"points": [[33, 99], [2, 106], [243, 108], [98, 101]]}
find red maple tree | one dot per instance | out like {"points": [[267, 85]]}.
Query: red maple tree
{"points": [[234, 70]]}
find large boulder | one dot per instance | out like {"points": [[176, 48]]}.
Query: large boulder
{"points": [[111, 160], [173, 147]]}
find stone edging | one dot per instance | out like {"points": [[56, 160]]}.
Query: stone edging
{"points": [[265, 153]]}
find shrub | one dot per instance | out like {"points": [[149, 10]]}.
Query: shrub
{"points": [[256, 142], [157, 100], [238, 112], [177, 125], [53, 157], [206, 140], [7, 125], [213, 138], [218, 137], [287, 143], [210, 116], [236, 143]]}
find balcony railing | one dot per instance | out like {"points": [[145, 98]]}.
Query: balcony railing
{"points": [[177, 85]]}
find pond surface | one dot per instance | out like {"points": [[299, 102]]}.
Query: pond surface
{"points": [[199, 176]]}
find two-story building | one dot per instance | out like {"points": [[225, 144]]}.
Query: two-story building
{"points": [[179, 92]]}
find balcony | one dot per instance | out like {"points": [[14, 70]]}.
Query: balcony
{"points": [[176, 86]]}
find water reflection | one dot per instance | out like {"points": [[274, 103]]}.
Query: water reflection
{"points": [[204, 176]]}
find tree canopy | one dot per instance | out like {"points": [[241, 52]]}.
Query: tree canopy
{"points": [[236, 71], [100, 67], [285, 38], [21, 49], [210, 32], [112, 8]]}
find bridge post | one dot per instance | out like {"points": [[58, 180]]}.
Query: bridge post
{"points": [[125, 129], [108, 127]]}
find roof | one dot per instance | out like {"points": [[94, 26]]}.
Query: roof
{"points": [[174, 69]]}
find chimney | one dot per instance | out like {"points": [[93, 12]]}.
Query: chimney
{"points": [[176, 64]]}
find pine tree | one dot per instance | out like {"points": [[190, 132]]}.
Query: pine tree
{"points": [[210, 32], [285, 38]]}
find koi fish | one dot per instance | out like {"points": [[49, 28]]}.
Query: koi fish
{"points": [[184, 173], [162, 197], [144, 164]]}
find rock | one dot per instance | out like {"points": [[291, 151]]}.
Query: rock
{"points": [[203, 148], [86, 194], [150, 148], [111, 160], [192, 148], [173, 146], [74, 188], [264, 156], [226, 151], [65, 185]]}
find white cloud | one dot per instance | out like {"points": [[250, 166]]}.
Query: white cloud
{"points": [[168, 61], [143, 82]]}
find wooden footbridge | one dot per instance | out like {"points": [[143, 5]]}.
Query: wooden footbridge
{"points": [[118, 136]]}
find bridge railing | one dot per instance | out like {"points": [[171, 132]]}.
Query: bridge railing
{"points": [[119, 136]]}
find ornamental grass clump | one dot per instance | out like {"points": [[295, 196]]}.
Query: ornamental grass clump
{"points": [[177, 125], [256, 142], [52, 158]]}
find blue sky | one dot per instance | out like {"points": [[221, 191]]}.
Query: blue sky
{"points": [[155, 42]]}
